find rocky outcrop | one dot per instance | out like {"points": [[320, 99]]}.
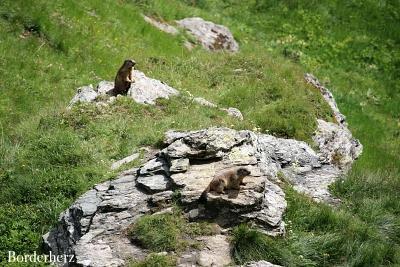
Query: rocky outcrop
{"points": [[144, 90], [328, 96], [337, 149], [335, 141], [234, 112], [210, 35], [93, 228]]}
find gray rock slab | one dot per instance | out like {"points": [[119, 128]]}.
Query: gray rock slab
{"points": [[210, 143], [154, 183], [93, 228], [154, 166]]}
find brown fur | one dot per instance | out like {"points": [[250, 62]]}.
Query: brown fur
{"points": [[124, 78], [228, 179]]}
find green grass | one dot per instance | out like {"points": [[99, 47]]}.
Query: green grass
{"points": [[167, 232], [319, 236], [249, 244], [155, 260], [49, 156]]}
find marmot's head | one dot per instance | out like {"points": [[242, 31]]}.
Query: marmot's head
{"points": [[242, 172], [129, 63]]}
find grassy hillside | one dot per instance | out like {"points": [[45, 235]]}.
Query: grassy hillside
{"points": [[49, 156]]}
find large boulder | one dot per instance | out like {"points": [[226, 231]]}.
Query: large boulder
{"points": [[93, 229], [146, 90], [210, 35]]}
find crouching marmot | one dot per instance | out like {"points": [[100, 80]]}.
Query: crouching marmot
{"points": [[227, 179]]}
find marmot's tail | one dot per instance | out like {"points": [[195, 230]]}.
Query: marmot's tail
{"points": [[203, 196]]}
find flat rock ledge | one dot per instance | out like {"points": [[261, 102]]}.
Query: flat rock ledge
{"points": [[93, 229]]}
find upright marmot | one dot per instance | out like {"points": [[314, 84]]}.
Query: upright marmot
{"points": [[227, 179], [123, 79]]}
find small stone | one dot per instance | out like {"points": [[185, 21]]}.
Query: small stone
{"points": [[154, 166], [125, 160], [161, 25], [204, 102], [193, 214], [179, 165], [234, 112]]}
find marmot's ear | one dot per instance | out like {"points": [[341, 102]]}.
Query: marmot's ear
{"points": [[131, 61]]}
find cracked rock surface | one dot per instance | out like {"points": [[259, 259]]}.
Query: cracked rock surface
{"points": [[94, 227]]}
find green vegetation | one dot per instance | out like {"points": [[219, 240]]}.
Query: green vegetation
{"points": [[317, 235], [49, 156], [167, 232], [249, 244], [155, 260]]}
